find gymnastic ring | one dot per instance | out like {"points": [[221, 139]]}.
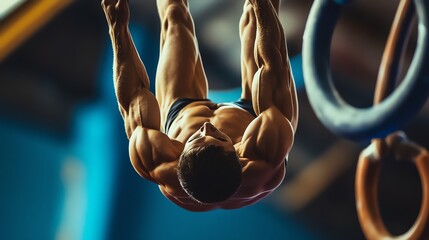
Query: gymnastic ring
{"points": [[337, 115], [368, 171]]}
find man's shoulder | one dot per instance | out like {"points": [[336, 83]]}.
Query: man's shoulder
{"points": [[269, 136]]}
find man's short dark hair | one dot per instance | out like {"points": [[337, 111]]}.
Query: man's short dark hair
{"points": [[209, 174]]}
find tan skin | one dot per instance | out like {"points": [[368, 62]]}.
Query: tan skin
{"points": [[262, 143]]}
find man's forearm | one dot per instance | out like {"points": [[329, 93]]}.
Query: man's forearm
{"points": [[129, 71], [123, 46], [269, 35], [272, 59]]}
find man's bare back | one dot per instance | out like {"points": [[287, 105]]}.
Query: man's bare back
{"points": [[261, 142]]}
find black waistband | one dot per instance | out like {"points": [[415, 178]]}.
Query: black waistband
{"points": [[246, 105]]}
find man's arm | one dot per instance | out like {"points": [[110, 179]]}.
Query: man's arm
{"points": [[153, 154], [130, 78], [273, 83], [273, 88], [269, 138]]}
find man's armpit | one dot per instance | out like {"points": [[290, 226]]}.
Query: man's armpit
{"points": [[166, 176]]}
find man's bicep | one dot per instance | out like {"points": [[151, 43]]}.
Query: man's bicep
{"points": [[142, 111], [274, 86]]}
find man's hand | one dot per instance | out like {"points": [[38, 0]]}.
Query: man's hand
{"points": [[117, 12]]}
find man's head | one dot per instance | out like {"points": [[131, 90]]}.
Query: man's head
{"points": [[209, 169]]}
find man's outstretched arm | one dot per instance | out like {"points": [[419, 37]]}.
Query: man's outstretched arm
{"points": [[152, 153], [273, 88], [130, 78], [269, 138], [273, 83]]}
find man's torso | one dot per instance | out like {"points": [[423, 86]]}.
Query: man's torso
{"points": [[227, 117], [233, 121]]}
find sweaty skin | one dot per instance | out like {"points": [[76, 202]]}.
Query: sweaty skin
{"points": [[262, 143]]}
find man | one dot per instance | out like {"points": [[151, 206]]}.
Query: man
{"points": [[205, 155]]}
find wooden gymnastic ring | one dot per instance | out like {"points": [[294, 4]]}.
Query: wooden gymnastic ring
{"points": [[368, 171], [337, 115]]}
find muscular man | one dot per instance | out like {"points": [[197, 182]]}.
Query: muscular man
{"points": [[205, 155]]}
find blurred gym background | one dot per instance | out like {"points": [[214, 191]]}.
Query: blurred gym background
{"points": [[64, 166]]}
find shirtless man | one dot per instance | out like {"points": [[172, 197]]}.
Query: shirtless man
{"points": [[205, 155]]}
